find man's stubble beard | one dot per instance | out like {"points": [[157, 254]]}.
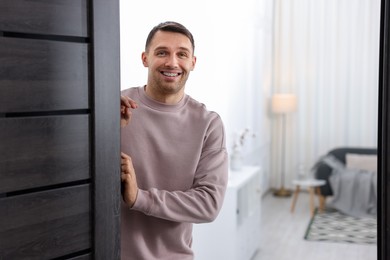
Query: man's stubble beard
{"points": [[171, 88]]}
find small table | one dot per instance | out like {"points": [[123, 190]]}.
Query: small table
{"points": [[313, 186]]}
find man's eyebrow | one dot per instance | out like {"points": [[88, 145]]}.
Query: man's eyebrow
{"points": [[160, 48], [166, 48], [185, 49]]}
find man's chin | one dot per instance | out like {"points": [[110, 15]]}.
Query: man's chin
{"points": [[173, 88]]}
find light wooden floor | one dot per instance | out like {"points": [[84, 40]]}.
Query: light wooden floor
{"points": [[283, 235]]}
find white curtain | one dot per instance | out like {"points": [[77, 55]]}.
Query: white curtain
{"points": [[327, 53]]}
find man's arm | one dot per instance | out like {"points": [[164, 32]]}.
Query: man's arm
{"points": [[199, 204], [203, 200]]}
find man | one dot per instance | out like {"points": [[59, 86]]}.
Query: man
{"points": [[174, 159]]}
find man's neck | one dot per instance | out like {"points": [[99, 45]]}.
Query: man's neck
{"points": [[169, 99]]}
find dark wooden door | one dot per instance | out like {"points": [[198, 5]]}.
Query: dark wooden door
{"points": [[59, 129], [383, 135]]}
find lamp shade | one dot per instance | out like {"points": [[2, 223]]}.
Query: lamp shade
{"points": [[283, 103]]}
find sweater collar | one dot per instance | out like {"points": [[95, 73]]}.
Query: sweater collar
{"points": [[159, 105]]}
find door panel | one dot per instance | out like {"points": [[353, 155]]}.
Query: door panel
{"points": [[52, 232], [42, 151], [60, 17], [42, 75]]}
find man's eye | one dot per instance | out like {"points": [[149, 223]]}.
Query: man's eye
{"points": [[183, 55], [161, 53]]}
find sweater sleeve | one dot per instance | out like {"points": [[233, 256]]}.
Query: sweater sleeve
{"points": [[203, 201]]}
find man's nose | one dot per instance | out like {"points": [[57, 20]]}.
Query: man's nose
{"points": [[171, 61]]}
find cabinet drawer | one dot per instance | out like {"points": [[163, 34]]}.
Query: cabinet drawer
{"points": [[59, 17], [60, 224], [54, 74], [42, 151]]}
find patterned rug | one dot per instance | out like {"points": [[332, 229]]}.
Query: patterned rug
{"points": [[333, 226]]}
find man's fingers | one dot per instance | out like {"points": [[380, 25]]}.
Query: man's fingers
{"points": [[125, 168], [128, 102], [133, 104], [125, 156], [125, 101], [126, 163], [126, 105], [125, 111], [129, 181]]}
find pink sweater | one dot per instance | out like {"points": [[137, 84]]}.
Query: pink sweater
{"points": [[181, 164]]}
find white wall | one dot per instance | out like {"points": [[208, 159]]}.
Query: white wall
{"points": [[232, 74]]}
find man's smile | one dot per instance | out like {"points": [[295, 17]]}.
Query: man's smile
{"points": [[171, 74]]}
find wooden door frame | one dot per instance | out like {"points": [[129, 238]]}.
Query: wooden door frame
{"points": [[105, 75], [383, 135]]}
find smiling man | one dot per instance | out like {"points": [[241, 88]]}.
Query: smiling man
{"points": [[170, 58], [174, 159]]}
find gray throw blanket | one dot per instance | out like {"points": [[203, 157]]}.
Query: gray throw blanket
{"points": [[355, 191]]}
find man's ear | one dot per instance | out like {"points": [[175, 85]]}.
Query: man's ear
{"points": [[144, 59], [193, 63]]}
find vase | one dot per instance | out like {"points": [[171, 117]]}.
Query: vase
{"points": [[236, 161]]}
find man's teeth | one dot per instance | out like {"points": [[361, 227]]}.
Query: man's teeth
{"points": [[170, 74]]}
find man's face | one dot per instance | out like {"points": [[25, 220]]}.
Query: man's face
{"points": [[169, 59]]}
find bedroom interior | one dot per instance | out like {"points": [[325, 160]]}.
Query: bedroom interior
{"points": [[326, 53]]}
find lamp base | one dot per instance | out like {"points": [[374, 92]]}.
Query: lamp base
{"points": [[282, 192]]}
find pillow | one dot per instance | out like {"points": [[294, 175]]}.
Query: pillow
{"points": [[361, 162]]}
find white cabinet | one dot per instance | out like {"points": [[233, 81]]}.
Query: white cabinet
{"points": [[235, 234]]}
